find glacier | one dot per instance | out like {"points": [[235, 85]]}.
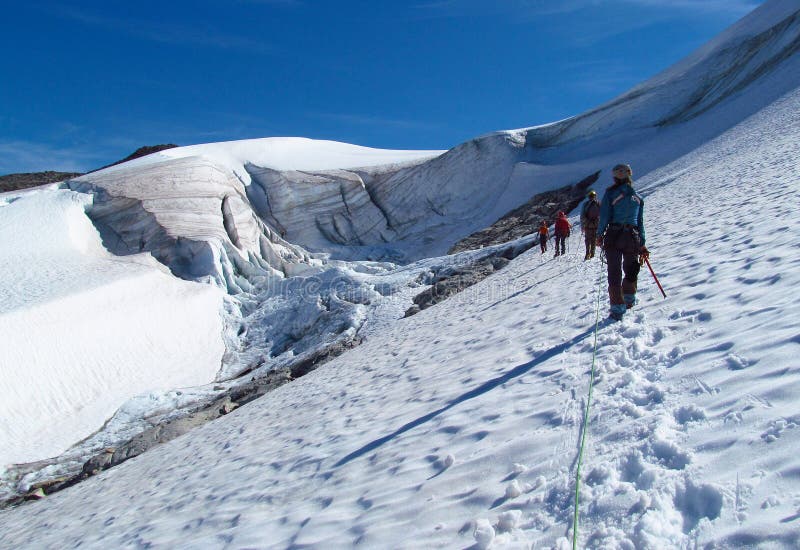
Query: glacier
{"points": [[218, 263]]}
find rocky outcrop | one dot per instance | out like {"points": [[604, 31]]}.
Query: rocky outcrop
{"points": [[16, 182], [140, 152], [452, 280], [525, 219]]}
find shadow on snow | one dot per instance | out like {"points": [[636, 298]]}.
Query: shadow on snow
{"points": [[484, 388]]}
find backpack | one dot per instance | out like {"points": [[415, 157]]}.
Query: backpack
{"points": [[591, 211]]}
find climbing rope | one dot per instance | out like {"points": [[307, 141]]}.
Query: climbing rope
{"points": [[585, 423]]}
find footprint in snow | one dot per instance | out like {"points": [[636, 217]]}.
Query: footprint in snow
{"points": [[651, 396], [697, 502], [689, 413], [669, 454], [736, 362], [691, 316], [777, 427]]}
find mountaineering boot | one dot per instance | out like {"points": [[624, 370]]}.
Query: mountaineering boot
{"points": [[629, 293], [617, 303], [617, 311]]}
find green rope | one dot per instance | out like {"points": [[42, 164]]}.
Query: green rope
{"points": [[585, 427]]}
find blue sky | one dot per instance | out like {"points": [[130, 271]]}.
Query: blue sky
{"points": [[86, 83]]}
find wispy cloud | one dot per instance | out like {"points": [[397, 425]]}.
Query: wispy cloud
{"points": [[736, 7], [167, 33], [26, 156], [369, 120], [565, 19], [531, 8], [600, 78]]}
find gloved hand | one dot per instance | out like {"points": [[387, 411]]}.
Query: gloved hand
{"points": [[599, 241], [644, 254]]}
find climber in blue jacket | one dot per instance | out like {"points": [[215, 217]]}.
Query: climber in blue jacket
{"points": [[621, 235]]}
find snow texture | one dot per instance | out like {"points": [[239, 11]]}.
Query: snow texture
{"points": [[459, 426]]}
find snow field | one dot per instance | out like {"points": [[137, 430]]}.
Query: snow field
{"points": [[458, 427], [179, 192], [85, 330]]}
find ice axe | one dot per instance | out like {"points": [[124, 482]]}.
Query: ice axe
{"points": [[653, 273]]}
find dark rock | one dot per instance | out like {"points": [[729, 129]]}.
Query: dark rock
{"points": [[312, 361], [15, 182], [228, 407], [525, 219], [98, 462], [140, 152], [38, 494], [453, 279]]}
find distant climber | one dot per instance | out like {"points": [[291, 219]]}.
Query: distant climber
{"points": [[621, 234], [590, 217], [562, 227], [544, 234]]}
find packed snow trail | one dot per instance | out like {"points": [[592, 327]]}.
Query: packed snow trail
{"points": [[748, 181], [585, 426]]}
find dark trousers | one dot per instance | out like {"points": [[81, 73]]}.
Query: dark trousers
{"points": [[543, 243], [561, 241], [619, 262]]}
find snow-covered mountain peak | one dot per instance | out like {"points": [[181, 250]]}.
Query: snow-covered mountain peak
{"points": [[286, 153]]}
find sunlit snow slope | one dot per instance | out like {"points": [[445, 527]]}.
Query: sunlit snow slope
{"points": [[84, 331], [204, 262]]}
